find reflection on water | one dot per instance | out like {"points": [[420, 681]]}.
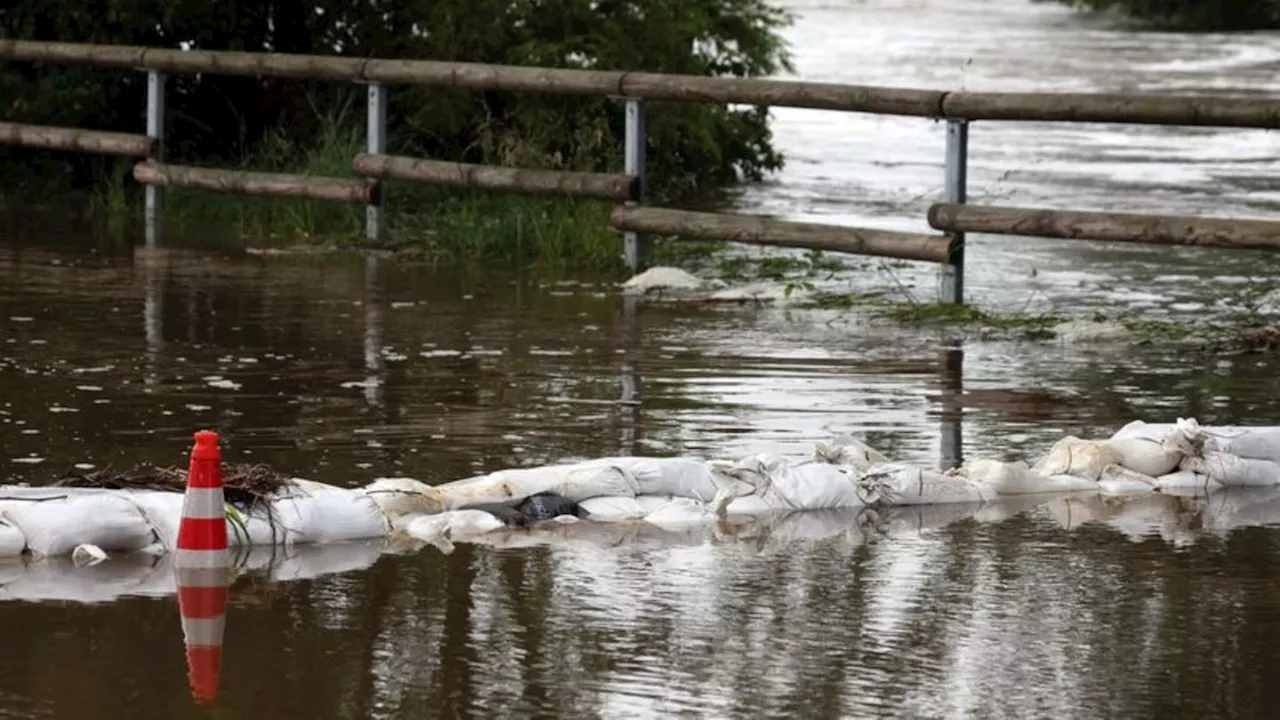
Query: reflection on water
{"points": [[343, 369]]}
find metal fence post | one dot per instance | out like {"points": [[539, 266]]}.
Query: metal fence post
{"points": [[376, 142], [957, 178], [155, 129], [635, 245]]}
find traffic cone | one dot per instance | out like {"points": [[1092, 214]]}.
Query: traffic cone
{"points": [[202, 531], [202, 564]]}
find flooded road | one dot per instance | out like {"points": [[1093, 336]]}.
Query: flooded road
{"points": [[344, 369]]}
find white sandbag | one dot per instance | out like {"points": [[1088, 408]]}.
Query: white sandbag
{"points": [[678, 477], [12, 541], [616, 509], [1233, 471], [577, 482], [163, 512], [802, 486], [452, 525], [1117, 480], [681, 512], [1015, 478], [1080, 458], [849, 452], [327, 513], [1191, 482], [896, 484], [400, 497], [1252, 445], [55, 526], [1147, 456]]}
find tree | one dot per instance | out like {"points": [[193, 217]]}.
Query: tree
{"points": [[693, 147]]}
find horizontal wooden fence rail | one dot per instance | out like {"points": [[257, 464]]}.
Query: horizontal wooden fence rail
{"points": [[953, 216], [1106, 226], [89, 141], [242, 182], [766, 231], [601, 186], [1141, 108]]}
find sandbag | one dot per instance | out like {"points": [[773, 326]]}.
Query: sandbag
{"points": [[56, 525], [802, 486], [1189, 481], [400, 497], [678, 477], [680, 512], [1150, 457], [849, 452], [577, 482], [1253, 445], [441, 529], [896, 484], [323, 513], [615, 509], [1076, 457], [1233, 471], [1015, 478], [1117, 480], [12, 541], [163, 512]]}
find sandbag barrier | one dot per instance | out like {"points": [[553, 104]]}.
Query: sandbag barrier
{"points": [[88, 524]]}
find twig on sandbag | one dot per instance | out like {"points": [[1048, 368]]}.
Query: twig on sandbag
{"points": [[244, 485]]}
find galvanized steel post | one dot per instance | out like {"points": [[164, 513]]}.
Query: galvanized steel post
{"points": [[957, 178], [635, 245], [155, 129], [376, 142]]}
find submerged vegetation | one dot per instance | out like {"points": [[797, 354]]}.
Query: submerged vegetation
{"points": [[310, 126], [1201, 15]]}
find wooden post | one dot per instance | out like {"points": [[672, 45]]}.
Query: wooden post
{"points": [[241, 182], [491, 177]]}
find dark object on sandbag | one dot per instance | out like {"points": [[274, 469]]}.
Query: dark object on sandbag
{"points": [[533, 509]]}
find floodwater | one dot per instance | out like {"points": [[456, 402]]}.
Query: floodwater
{"points": [[344, 369]]}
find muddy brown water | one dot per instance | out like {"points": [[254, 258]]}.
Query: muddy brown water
{"points": [[343, 369]]}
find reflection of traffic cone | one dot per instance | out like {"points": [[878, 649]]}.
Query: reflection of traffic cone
{"points": [[202, 532], [203, 567], [202, 602]]}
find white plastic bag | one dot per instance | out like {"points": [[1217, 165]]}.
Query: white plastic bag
{"points": [[1015, 478], [1117, 480], [56, 525], [12, 541], [441, 529], [896, 484], [1233, 471]]}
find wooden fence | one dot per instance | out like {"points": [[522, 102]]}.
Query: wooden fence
{"points": [[952, 218]]}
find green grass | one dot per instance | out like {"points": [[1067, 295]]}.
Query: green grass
{"points": [[437, 223]]}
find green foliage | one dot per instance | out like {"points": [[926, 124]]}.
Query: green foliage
{"points": [[1194, 14], [214, 120]]}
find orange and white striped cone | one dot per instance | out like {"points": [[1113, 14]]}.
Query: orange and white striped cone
{"points": [[202, 563], [202, 531]]}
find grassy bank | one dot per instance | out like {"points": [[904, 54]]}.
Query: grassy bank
{"points": [[441, 224]]}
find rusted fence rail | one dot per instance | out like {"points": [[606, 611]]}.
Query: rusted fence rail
{"points": [[953, 217]]}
